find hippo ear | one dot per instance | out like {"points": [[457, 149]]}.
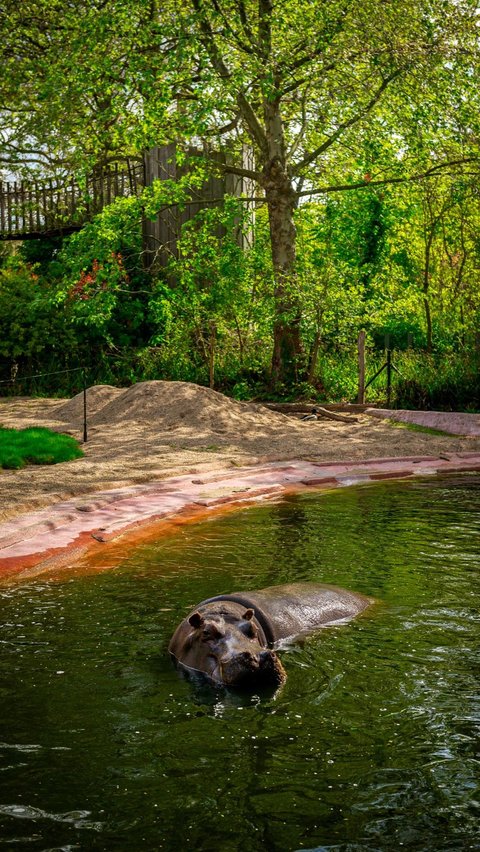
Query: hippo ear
{"points": [[248, 615], [196, 620]]}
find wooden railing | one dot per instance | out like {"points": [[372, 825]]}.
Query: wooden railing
{"points": [[42, 208]]}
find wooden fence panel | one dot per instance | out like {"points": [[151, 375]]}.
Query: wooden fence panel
{"points": [[161, 235], [30, 209]]}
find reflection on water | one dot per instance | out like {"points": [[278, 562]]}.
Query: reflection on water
{"points": [[372, 744]]}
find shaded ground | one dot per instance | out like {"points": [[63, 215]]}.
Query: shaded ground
{"points": [[156, 429]]}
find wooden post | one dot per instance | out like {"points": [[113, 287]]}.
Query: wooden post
{"points": [[361, 368], [30, 202], [84, 387], [10, 190], [51, 206], [389, 376], [29, 207], [108, 184], [45, 206], [36, 192]]}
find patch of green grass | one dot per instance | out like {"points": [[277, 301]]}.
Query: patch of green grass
{"points": [[416, 427], [19, 447]]}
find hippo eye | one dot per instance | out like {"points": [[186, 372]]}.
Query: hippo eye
{"points": [[210, 633], [249, 629]]}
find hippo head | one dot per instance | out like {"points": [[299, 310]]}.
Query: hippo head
{"points": [[230, 652]]}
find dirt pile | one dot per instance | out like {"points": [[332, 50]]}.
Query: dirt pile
{"points": [[173, 405], [158, 429], [97, 397]]}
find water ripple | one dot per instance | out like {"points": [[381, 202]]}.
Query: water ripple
{"points": [[76, 818]]}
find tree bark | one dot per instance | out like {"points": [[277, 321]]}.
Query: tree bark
{"points": [[426, 284], [281, 203], [287, 347]]}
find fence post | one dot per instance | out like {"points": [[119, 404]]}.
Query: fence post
{"points": [[361, 368], [389, 376], [84, 380]]}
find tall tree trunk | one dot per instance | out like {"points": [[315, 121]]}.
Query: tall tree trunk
{"points": [[281, 202], [286, 329], [426, 284]]}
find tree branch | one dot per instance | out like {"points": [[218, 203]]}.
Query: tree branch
{"points": [[295, 84], [241, 44], [303, 124], [244, 19], [432, 172], [313, 155], [234, 170], [246, 109], [304, 60]]}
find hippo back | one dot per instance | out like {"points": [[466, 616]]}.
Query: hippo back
{"points": [[298, 608]]}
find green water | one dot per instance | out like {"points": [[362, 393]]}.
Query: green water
{"points": [[373, 743]]}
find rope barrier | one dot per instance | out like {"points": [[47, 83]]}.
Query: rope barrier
{"points": [[16, 379]]}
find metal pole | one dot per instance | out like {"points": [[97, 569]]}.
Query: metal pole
{"points": [[389, 376], [84, 378]]}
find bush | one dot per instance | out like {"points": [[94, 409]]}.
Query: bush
{"points": [[448, 382]]}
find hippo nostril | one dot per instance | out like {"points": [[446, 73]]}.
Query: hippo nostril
{"points": [[245, 657], [268, 660]]}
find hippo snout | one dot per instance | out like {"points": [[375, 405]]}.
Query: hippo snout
{"points": [[248, 659], [248, 669]]}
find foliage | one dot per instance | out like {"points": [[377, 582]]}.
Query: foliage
{"points": [[41, 253], [100, 277], [328, 98], [217, 313], [355, 127], [209, 319], [30, 328], [19, 447], [102, 283], [448, 381]]}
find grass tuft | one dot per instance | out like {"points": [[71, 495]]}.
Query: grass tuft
{"points": [[417, 427], [19, 447]]}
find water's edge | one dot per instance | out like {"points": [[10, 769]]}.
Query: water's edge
{"points": [[56, 537]]}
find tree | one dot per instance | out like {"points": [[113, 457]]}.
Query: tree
{"points": [[301, 79], [306, 83]]}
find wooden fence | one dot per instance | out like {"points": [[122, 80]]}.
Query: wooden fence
{"points": [[160, 236], [29, 210]]}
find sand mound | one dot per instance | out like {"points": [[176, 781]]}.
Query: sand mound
{"points": [[174, 405], [97, 397]]}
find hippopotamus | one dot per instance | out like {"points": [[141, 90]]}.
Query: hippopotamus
{"points": [[231, 639]]}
